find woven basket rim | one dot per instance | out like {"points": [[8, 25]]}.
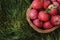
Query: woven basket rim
{"points": [[34, 27]]}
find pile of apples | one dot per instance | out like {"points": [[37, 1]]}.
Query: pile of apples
{"points": [[45, 14]]}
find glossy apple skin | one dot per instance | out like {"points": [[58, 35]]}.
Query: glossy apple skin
{"points": [[53, 12], [43, 16], [47, 25], [53, 1], [46, 4], [37, 23], [37, 4], [59, 8], [33, 14], [55, 20], [58, 1]]}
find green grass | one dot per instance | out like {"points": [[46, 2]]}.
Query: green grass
{"points": [[13, 23]]}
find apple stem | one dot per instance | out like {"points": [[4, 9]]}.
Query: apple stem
{"points": [[47, 10]]}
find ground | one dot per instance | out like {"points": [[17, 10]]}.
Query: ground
{"points": [[13, 23]]}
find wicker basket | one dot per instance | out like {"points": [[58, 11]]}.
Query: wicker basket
{"points": [[34, 27]]}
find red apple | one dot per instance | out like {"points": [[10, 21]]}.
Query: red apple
{"points": [[43, 16], [37, 4], [58, 1], [53, 1], [53, 12], [59, 8], [46, 0], [47, 25], [33, 14], [46, 4], [55, 20], [37, 23]]}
